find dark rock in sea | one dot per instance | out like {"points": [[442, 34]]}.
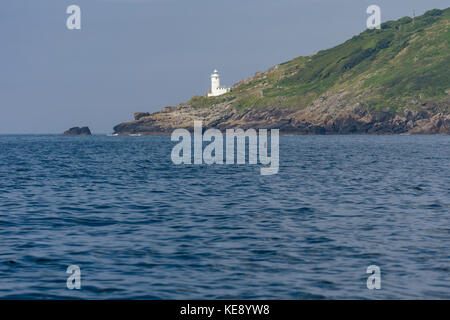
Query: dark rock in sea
{"points": [[78, 131]]}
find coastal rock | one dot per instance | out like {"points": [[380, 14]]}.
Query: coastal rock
{"points": [[139, 115], [78, 131], [334, 114]]}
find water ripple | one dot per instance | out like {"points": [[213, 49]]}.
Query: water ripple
{"points": [[142, 228]]}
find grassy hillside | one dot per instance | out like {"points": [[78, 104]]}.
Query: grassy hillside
{"points": [[404, 63]]}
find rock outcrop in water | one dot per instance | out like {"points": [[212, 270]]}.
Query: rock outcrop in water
{"points": [[78, 131], [393, 80]]}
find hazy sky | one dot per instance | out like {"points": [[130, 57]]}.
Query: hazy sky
{"points": [[141, 55]]}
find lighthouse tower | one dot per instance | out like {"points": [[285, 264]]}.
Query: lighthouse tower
{"points": [[215, 81], [216, 89]]}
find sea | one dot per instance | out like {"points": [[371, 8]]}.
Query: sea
{"points": [[138, 226]]}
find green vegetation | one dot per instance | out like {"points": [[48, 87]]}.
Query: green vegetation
{"points": [[406, 60]]}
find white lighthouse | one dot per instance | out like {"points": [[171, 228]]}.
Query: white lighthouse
{"points": [[216, 89]]}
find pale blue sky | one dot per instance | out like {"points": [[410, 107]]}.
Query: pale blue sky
{"points": [[141, 55]]}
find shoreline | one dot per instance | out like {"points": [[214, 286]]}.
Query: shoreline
{"points": [[298, 134]]}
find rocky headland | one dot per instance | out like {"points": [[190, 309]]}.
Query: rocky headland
{"points": [[389, 81]]}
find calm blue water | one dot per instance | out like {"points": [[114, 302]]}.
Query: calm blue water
{"points": [[140, 227]]}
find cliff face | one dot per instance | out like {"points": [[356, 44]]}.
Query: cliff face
{"points": [[323, 117], [393, 80]]}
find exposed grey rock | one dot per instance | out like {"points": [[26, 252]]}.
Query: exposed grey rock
{"points": [[139, 115], [80, 131], [332, 113]]}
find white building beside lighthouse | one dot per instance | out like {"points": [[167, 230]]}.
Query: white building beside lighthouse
{"points": [[216, 89]]}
